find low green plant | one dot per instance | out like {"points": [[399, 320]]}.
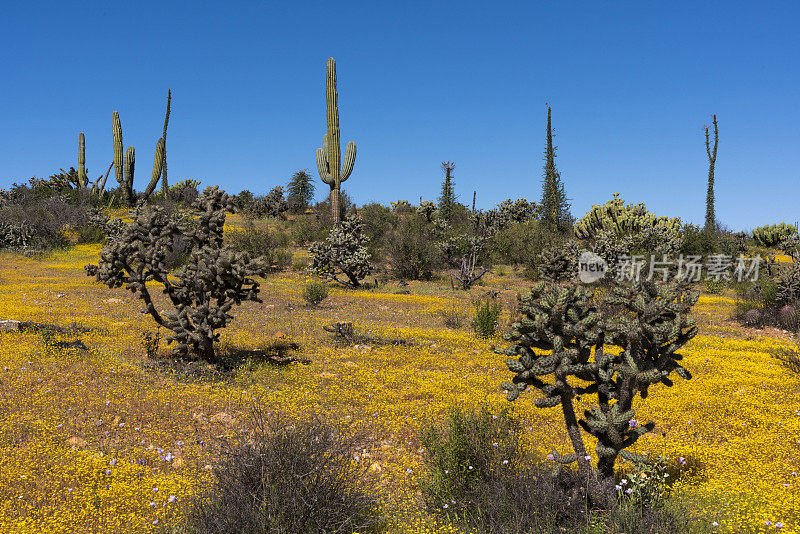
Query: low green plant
{"points": [[315, 292], [715, 286], [272, 245], [487, 314]]}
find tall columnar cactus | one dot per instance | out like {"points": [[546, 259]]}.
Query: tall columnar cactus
{"points": [[329, 156], [124, 164], [82, 179], [124, 179], [164, 183]]}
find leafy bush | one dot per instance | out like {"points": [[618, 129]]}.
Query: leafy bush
{"points": [[486, 317], [378, 223], [478, 476], [520, 243], [343, 253], [271, 245], [315, 292], [289, 477], [452, 316], [306, 229], [413, 255]]}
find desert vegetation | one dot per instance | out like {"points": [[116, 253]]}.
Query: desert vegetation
{"points": [[191, 360]]}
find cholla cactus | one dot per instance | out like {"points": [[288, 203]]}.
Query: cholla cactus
{"points": [[559, 262], [560, 319], [621, 219], [516, 211], [275, 205], [427, 209], [788, 284], [203, 291], [344, 252], [771, 235]]}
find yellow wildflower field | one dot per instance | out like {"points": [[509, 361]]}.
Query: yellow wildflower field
{"points": [[96, 441]]}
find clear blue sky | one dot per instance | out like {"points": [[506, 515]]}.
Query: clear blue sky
{"points": [[631, 85]]}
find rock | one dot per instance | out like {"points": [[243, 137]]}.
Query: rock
{"points": [[327, 375], [77, 442], [376, 467], [404, 292], [113, 301], [177, 462], [222, 417], [9, 325]]}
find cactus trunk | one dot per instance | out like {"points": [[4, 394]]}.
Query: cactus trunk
{"points": [[82, 180]]}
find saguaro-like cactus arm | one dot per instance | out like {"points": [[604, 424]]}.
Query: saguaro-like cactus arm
{"points": [[158, 162], [128, 164], [118, 150]]}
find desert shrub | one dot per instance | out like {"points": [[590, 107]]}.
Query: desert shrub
{"points": [[787, 318], [789, 357], [184, 192], [315, 292], [487, 314], [412, 254], [306, 229], [401, 207], [272, 245], [559, 262], [452, 316], [342, 254], [520, 243], [378, 223], [714, 286], [478, 476], [287, 476]]}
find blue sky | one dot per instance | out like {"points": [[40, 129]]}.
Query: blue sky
{"points": [[631, 85]]}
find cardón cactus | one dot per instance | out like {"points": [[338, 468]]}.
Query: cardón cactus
{"points": [[560, 319], [329, 156], [124, 164]]}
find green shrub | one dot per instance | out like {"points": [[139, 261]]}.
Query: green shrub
{"points": [[520, 243], [287, 477], [452, 317], [412, 254], [315, 292], [487, 314], [306, 229], [272, 245], [478, 477], [715, 287], [378, 223]]}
